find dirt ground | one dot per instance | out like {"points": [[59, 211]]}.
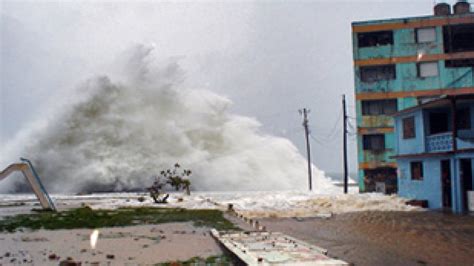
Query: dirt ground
{"points": [[132, 245]]}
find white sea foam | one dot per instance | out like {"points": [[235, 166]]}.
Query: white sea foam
{"points": [[250, 203], [126, 126]]}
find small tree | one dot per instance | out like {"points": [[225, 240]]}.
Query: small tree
{"points": [[176, 178], [156, 190]]}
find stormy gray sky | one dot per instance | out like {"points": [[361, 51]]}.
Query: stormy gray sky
{"points": [[269, 57]]}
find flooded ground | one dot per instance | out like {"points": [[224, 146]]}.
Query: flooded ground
{"points": [[387, 238], [131, 245], [365, 229]]}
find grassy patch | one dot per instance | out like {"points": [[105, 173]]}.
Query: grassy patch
{"points": [[213, 260], [88, 218]]}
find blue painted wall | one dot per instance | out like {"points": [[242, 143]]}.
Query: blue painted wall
{"points": [[427, 189], [413, 145], [430, 188], [418, 144]]}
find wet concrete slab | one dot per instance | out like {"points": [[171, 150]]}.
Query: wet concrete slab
{"points": [[273, 248]]}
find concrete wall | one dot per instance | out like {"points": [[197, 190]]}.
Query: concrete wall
{"points": [[412, 145], [427, 189], [407, 79], [379, 156], [430, 187], [417, 144], [406, 73], [404, 45]]}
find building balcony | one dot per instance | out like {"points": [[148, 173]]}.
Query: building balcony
{"points": [[439, 142], [444, 141]]}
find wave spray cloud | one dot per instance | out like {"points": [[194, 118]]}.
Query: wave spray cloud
{"points": [[125, 127]]}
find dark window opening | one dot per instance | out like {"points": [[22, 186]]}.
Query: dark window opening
{"points": [[374, 142], [466, 180], [409, 127], [439, 123], [459, 63], [463, 118], [376, 38], [458, 38], [379, 107], [416, 169], [386, 176], [376, 73]]}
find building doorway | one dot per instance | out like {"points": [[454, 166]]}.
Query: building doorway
{"points": [[446, 183], [466, 180]]}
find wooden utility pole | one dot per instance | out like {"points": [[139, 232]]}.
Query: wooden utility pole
{"points": [[345, 141], [308, 149]]}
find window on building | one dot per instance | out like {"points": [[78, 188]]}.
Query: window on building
{"points": [[409, 127], [424, 35], [458, 38], [387, 176], [376, 38], [439, 122], [379, 107], [463, 118], [374, 142], [376, 73], [416, 170], [459, 63], [428, 69]]}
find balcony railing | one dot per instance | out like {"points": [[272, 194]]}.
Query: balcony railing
{"points": [[439, 142]]}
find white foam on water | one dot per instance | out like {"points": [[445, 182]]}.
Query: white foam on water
{"points": [[249, 203]]}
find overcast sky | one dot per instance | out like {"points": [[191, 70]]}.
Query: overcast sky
{"points": [[270, 58]]}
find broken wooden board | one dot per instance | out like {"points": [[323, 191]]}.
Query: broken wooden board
{"points": [[273, 248]]}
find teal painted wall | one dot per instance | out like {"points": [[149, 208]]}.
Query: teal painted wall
{"points": [[404, 45], [379, 156], [407, 79]]}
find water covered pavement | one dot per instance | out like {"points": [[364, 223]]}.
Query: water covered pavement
{"points": [[387, 238]]}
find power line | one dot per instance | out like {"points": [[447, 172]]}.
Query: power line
{"points": [[334, 128]]}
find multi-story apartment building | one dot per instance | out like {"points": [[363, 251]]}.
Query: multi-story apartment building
{"points": [[399, 63]]}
